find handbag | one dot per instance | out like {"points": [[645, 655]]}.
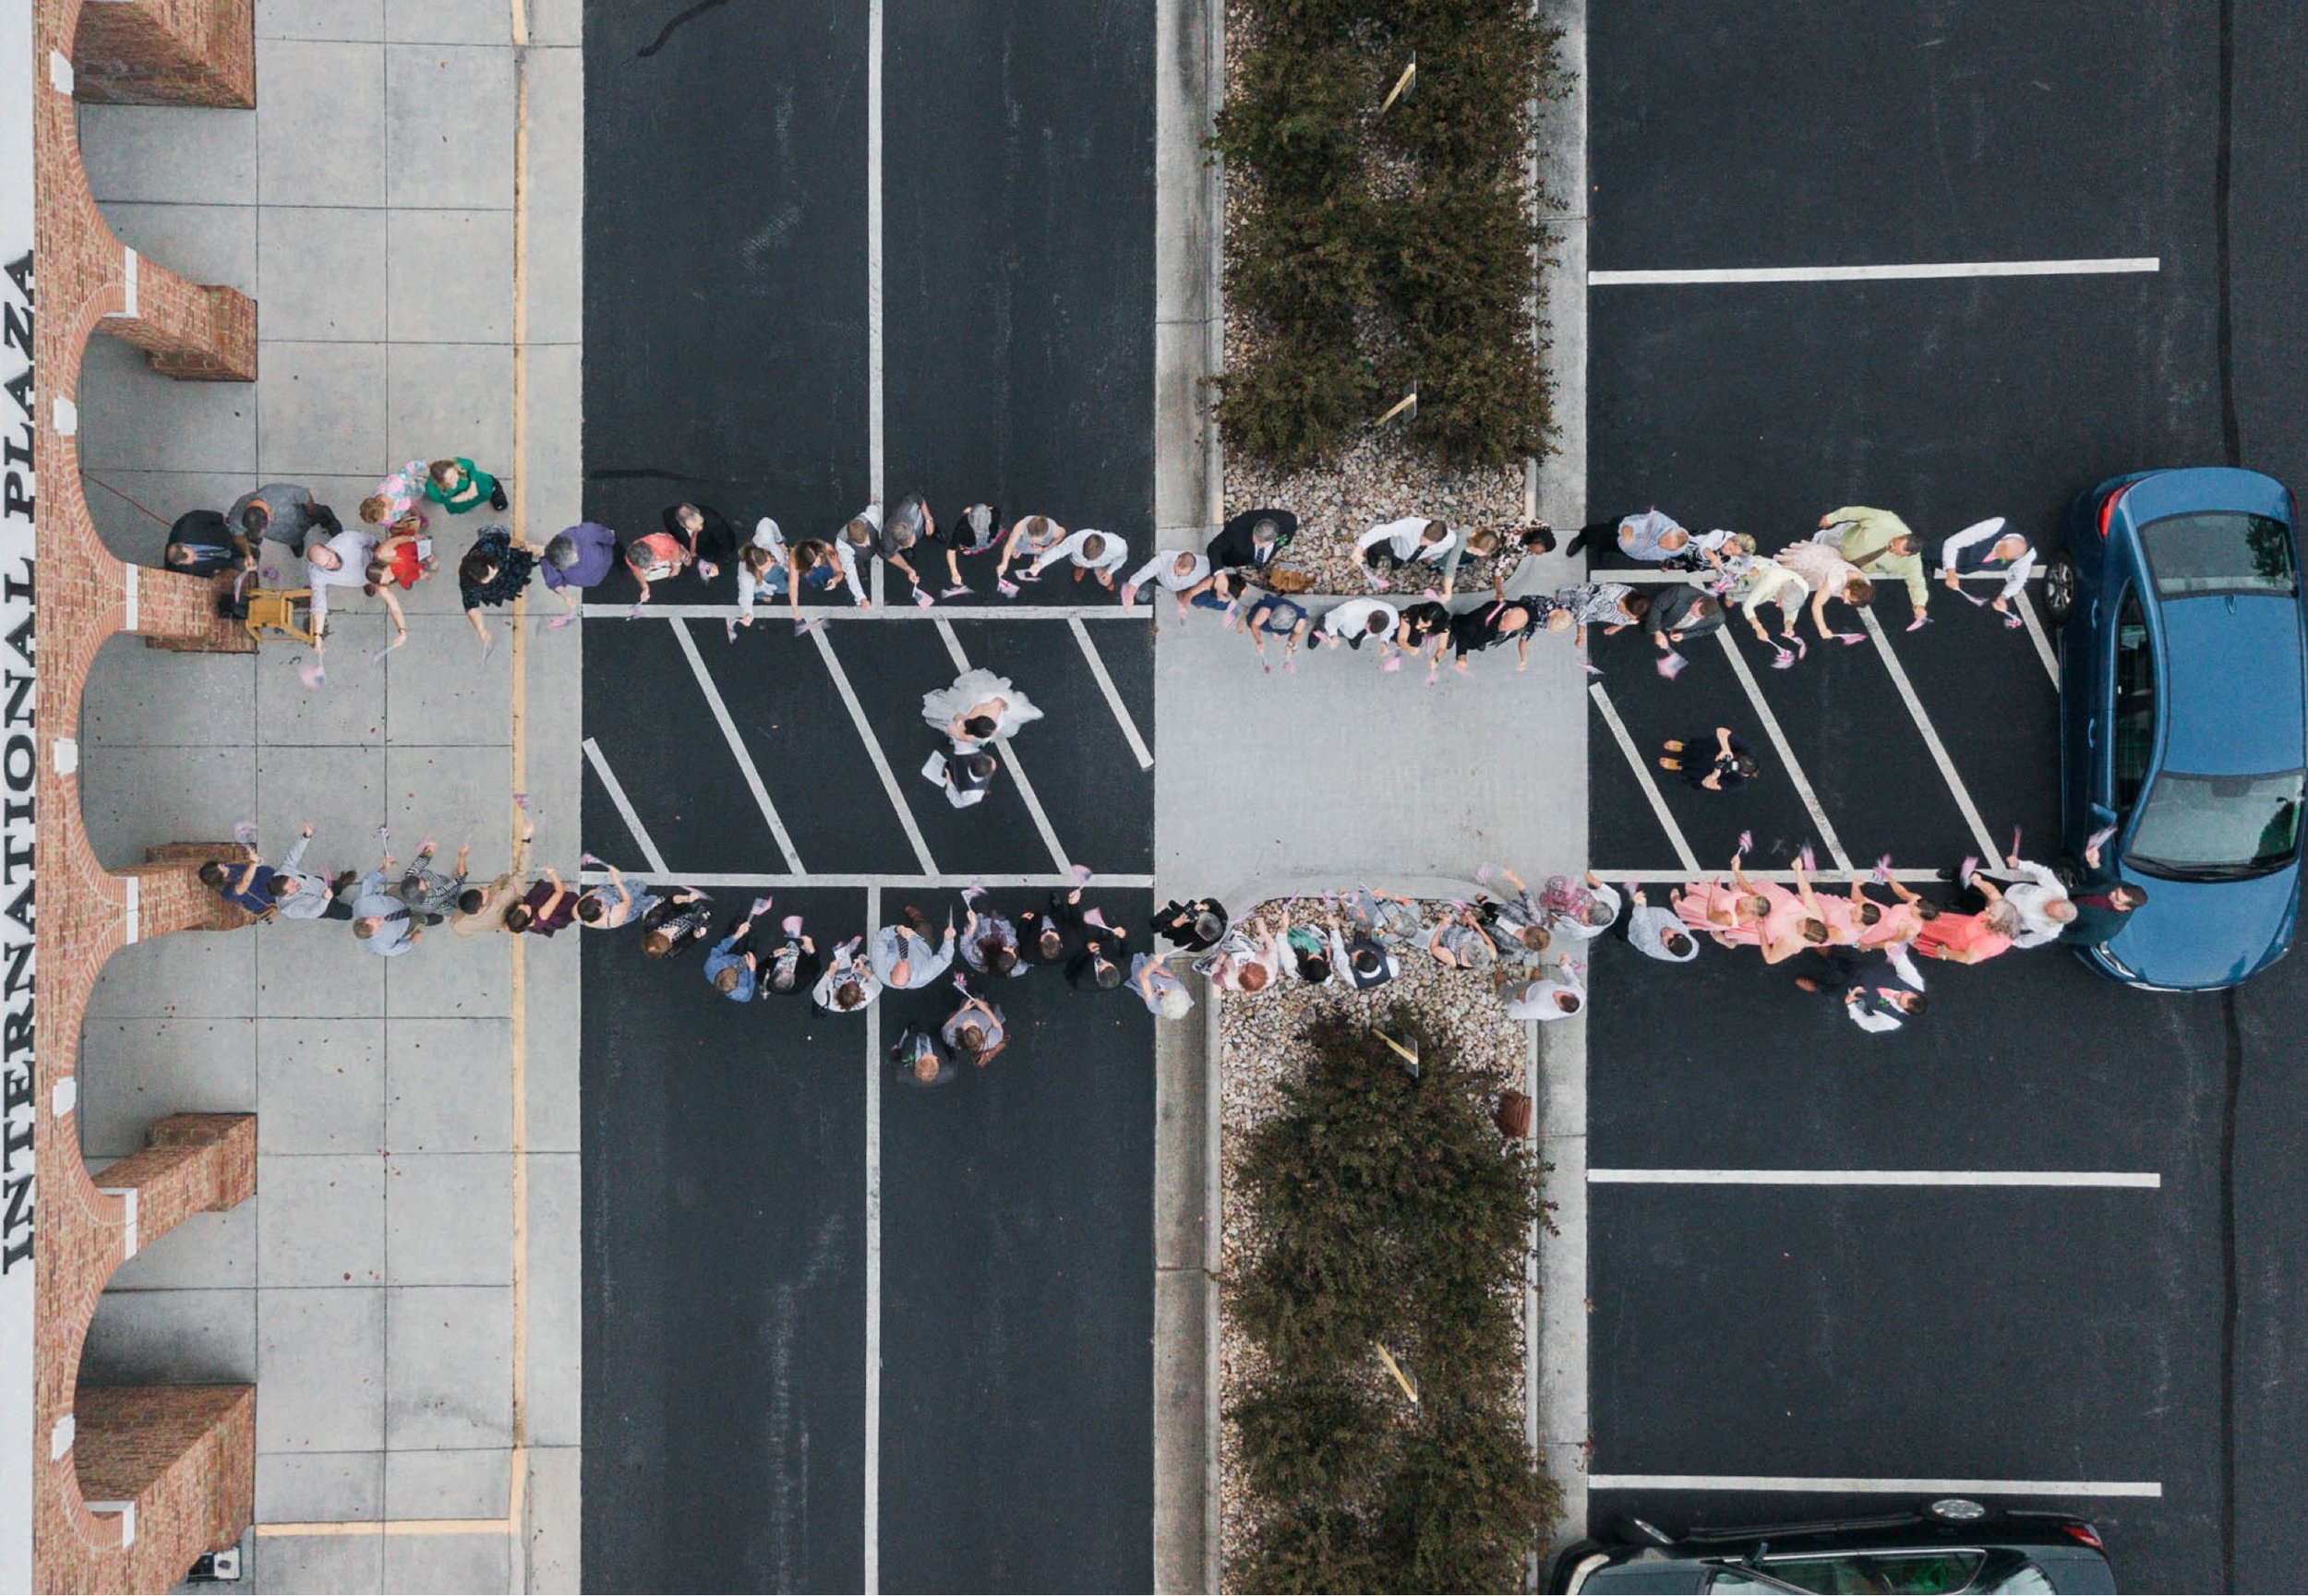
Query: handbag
{"points": [[1513, 1118]]}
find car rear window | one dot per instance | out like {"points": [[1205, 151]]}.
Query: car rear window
{"points": [[2219, 551], [1877, 1573]]}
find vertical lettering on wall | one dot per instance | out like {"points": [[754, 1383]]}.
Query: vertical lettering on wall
{"points": [[20, 772]]}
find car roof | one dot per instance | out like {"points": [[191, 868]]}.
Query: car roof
{"points": [[2232, 684]]}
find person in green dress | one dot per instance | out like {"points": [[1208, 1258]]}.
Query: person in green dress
{"points": [[458, 485]]}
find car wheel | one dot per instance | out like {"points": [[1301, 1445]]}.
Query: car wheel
{"points": [[2059, 588], [1957, 1510]]}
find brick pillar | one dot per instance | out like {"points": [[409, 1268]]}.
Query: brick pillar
{"points": [[185, 1455], [170, 897], [178, 611], [191, 1164], [166, 53], [204, 334]]}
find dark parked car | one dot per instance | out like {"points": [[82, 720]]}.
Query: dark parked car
{"points": [[2183, 705], [1950, 1545]]}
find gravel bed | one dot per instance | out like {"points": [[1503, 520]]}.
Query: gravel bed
{"points": [[1380, 479], [1258, 1052]]}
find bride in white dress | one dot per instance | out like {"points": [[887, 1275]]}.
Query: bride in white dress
{"points": [[975, 694]]}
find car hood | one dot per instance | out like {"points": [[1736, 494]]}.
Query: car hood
{"points": [[2232, 684], [2206, 934]]}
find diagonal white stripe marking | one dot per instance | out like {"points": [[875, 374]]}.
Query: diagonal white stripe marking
{"points": [[1830, 1485], [1643, 775], [1144, 755], [1988, 850], [874, 749], [2123, 1179], [1786, 752], [1009, 755], [737, 747], [2036, 635], [2097, 267], [625, 809]]}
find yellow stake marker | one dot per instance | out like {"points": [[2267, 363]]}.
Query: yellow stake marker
{"points": [[1396, 1370]]}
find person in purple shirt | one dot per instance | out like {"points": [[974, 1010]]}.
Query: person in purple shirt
{"points": [[579, 557]]}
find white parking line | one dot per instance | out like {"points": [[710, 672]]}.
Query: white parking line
{"points": [[847, 612], [873, 750], [1009, 755], [2101, 267], [2120, 1179], [2036, 635], [1832, 1485], [737, 746], [1643, 775], [624, 807], [1793, 766], [1874, 628], [1138, 750], [889, 882]]}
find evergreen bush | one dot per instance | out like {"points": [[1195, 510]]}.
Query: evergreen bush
{"points": [[1389, 1213]]}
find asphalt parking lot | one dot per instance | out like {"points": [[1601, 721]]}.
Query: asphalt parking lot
{"points": [[841, 1334], [2087, 1293]]}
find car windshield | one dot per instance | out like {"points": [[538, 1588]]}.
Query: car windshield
{"points": [[1870, 1573], [2219, 551], [2215, 827]]}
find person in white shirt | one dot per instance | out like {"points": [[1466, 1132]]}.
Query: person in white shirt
{"points": [[1985, 548], [1247, 959], [1555, 994], [1092, 552], [1577, 911], [2045, 909], [1414, 540], [342, 561], [1361, 620], [1182, 572], [761, 569]]}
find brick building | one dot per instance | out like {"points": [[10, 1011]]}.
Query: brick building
{"points": [[113, 1488]]}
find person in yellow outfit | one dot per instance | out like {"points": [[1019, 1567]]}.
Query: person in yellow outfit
{"points": [[1880, 544]]}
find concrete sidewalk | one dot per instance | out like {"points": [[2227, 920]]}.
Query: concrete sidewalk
{"points": [[404, 1288]]}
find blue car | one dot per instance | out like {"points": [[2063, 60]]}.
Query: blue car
{"points": [[2183, 709]]}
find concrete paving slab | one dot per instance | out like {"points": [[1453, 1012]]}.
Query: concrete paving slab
{"points": [[131, 416], [451, 977], [205, 242], [554, 1504], [449, 125], [448, 21], [322, 1224], [454, 1564], [449, 793], [323, 273], [321, 410], [448, 1086], [205, 1252], [556, 80], [556, 1299], [439, 1484], [557, 22], [453, 398], [320, 1364], [321, 133], [336, 790], [449, 1220], [135, 798], [353, 1565], [171, 155], [554, 1059], [149, 697], [206, 975], [554, 398], [295, 723], [171, 1338], [450, 1381], [132, 508], [324, 975], [443, 692], [319, 1487], [452, 276], [135, 1073], [320, 1086], [339, 19]]}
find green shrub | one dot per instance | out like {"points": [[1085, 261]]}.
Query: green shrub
{"points": [[1389, 1212], [1296, 405]]}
